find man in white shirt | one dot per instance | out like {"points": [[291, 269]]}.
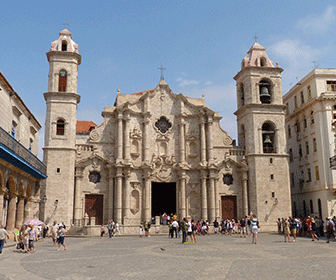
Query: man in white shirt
{"points": [[175, 226], [3, 236]]}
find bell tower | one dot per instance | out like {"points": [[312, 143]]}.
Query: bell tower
{"points": [[60, 128], [261, 132]]}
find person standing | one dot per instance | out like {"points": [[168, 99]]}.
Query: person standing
{"points": [[194, 229], [110, 228], [54, 229], [189, 231], [174, 228], [313, 230], [254, 229], [330, 228], [32, 238], [286, 230], [243, 226], [292, 227], [61, 237], [3, 236], [102, 231], [216, 226], [183, 226]]}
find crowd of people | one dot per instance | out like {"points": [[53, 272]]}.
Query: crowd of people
{"points": [[312, 227], [189, 229], [29, 234]]}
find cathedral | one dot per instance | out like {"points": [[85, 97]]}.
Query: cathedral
{"points": [[157, 151]]}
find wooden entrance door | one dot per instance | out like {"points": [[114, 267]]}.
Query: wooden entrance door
{"points": [[229, 207], [94, 207]]}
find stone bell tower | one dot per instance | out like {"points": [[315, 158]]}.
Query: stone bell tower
{"points": [[60, 128], [261, 132]]}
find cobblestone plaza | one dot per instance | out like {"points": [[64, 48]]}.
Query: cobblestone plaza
{"points": [[213, 257]]}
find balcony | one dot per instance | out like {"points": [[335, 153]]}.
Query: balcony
{"points": [[18, 154]]}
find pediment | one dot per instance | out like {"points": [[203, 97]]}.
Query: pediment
{"points": [[93, 159], [228, 163]]}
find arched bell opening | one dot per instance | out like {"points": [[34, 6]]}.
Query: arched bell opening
{"points": [[241, 94], [268, 138], [265, 91]]}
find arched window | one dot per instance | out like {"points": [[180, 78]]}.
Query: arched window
{"points": [[265, 91], [241, 137], [263, 62], [268, 138], [62, 80], [60, 127], [242, 94], [64, 46]]}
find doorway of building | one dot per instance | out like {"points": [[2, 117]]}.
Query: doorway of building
{"points": [[94, 207], [229, 207], [163, 198]]}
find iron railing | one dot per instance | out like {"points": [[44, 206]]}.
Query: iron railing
{"points": [[21, 151]]}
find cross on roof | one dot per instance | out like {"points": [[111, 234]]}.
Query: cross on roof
{"points": [[161, 68], [255, 38]]}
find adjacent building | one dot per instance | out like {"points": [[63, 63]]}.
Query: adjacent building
{"points": [[157, 151], [20, 170], [310, 131]]}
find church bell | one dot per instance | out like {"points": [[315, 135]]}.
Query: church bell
{"points": [[267, 139], [264, 93]]}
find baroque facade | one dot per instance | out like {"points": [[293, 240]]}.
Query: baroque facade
{"points": [[157, 151], [20, 170], [311, 127]]}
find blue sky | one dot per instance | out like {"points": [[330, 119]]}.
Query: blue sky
{"points": [[201, 43]]}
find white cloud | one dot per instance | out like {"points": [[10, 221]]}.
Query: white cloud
{"points": [[182, 82], [318, 23], [297, 58]]}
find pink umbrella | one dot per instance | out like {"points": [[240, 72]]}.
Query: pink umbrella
{"points": [[34, 222]]}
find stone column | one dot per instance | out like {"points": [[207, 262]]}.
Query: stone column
{"points": [[127, 139], [127, 194], [211, 200], [204, 195], [78, 192], [1, 207], [147, 201], [120, 136], [110, 195], [27, 210], [203, 142], [118, 196], [216, 200], [11, 212], [182, 141], [209, 139], [19, 213], [145, 139], [183, 195], [245, 195]]}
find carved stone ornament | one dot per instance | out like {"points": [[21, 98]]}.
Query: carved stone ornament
{"points": [[163, 167], [227, 141], [94, 135], [135, 133], [163, 124]]}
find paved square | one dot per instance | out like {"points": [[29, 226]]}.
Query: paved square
{"points": [[157, 257]]}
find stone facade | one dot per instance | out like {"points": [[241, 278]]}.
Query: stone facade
{"points": [[153, 137], [20, 170], [310, 127]]}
